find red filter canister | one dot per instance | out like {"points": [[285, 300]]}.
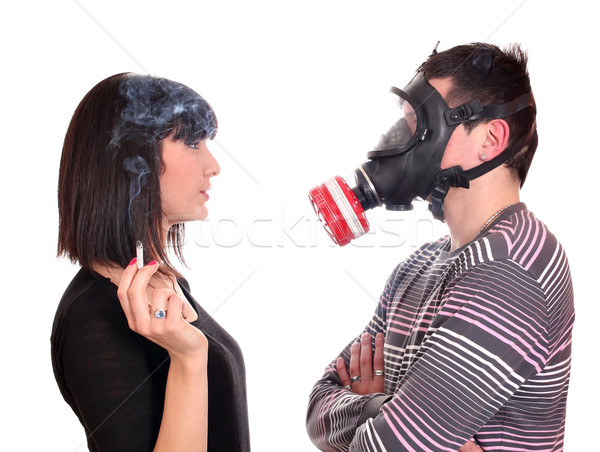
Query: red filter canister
{"points": [[337, 207]]}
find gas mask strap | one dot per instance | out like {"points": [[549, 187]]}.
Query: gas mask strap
{"points": [[508, 108], [451, 177], [472, 111], [438, 194], [503, 157], [455, 176]]}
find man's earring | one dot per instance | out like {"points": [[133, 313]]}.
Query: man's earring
{"points": [[483, 157]]}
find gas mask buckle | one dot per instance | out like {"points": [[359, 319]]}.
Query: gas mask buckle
{"points": [[464, 113]]}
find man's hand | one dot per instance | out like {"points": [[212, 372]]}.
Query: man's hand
{"points": [[366, 368], [369, 367], [470, 446]]}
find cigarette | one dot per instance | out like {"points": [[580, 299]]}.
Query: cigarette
{"points": [[140, 254]]}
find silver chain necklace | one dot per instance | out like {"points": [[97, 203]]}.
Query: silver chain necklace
{"points": [[494, 216]]}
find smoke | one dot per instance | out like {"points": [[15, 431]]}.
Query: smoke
{"points": [[153, 109], [483, 61], [139, 169], [157, 107]]}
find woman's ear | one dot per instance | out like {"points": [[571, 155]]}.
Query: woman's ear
{"points": [[496, 139]]}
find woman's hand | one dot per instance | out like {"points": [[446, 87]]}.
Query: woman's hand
{"points": [[364, 364], [158, 319], [185, 414]]}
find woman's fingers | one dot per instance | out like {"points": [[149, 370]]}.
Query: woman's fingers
{"points": [[122, 292], [132, 292], [160, 318], [160, 305], [136, 293], [169, 329]]}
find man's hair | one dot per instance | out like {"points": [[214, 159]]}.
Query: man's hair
{"points": [[494, 76], [108, 190]]}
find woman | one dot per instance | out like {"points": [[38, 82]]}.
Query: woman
{"points": [[134, 355]]}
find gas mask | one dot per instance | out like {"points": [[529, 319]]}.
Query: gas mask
{"points": [[406, 163]]}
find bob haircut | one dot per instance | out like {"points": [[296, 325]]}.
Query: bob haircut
{"points": [[108, 189]]}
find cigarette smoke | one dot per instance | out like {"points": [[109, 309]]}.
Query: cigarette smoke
{"points": [[157, 107], [483, 61], [139, 169], [154, 109]]}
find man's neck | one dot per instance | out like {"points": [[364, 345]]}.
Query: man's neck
{"points": [[470, 211]]}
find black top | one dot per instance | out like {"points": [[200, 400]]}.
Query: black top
{"points": [[114, 379]]}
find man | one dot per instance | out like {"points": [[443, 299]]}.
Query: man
{"points": [[472, 333]]}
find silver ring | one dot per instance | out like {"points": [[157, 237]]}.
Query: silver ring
{"points": [[160, 313], [348, 386], [377, 373], [354, 379]]}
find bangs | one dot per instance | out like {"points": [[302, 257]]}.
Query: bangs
{"points": [[157, 108], [196, 122]]}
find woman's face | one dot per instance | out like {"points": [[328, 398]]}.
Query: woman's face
{"points": [[185, 180]]}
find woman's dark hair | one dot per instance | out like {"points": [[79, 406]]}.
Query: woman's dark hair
{"points": [[494, 76], [108, 190]]}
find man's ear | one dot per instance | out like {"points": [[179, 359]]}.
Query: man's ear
{"points": [[496, 138]]}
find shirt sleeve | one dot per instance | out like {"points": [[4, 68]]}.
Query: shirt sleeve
{"points": [[334, 412], [115, 378], [489, 336]]}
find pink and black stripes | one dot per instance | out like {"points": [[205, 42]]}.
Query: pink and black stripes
{"points": [[478, 344]]}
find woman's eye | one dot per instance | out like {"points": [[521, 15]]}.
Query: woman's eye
{"points": [[194, 145]]}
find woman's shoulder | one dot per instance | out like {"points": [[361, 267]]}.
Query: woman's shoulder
{"points": [[87, 283], [87, 294]]}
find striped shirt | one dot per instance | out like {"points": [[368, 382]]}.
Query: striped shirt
{"points": [[477, 345]]}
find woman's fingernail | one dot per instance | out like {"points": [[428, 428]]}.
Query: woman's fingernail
{"points": [[133, 261], [152, 263]]}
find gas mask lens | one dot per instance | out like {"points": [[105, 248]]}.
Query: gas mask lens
{"points": [[403, 128], [402, 113]]}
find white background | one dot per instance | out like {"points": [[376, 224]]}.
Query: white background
{"points": [[292, 84]]}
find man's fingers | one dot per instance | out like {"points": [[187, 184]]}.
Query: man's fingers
{"points": [[378, 363], [340, 366], [366, 357], [355, 360], [470, 446]]}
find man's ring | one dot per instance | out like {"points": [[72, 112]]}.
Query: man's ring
{"points": [[348, 386], [377, 373], [160, 313], [354, 379]]}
